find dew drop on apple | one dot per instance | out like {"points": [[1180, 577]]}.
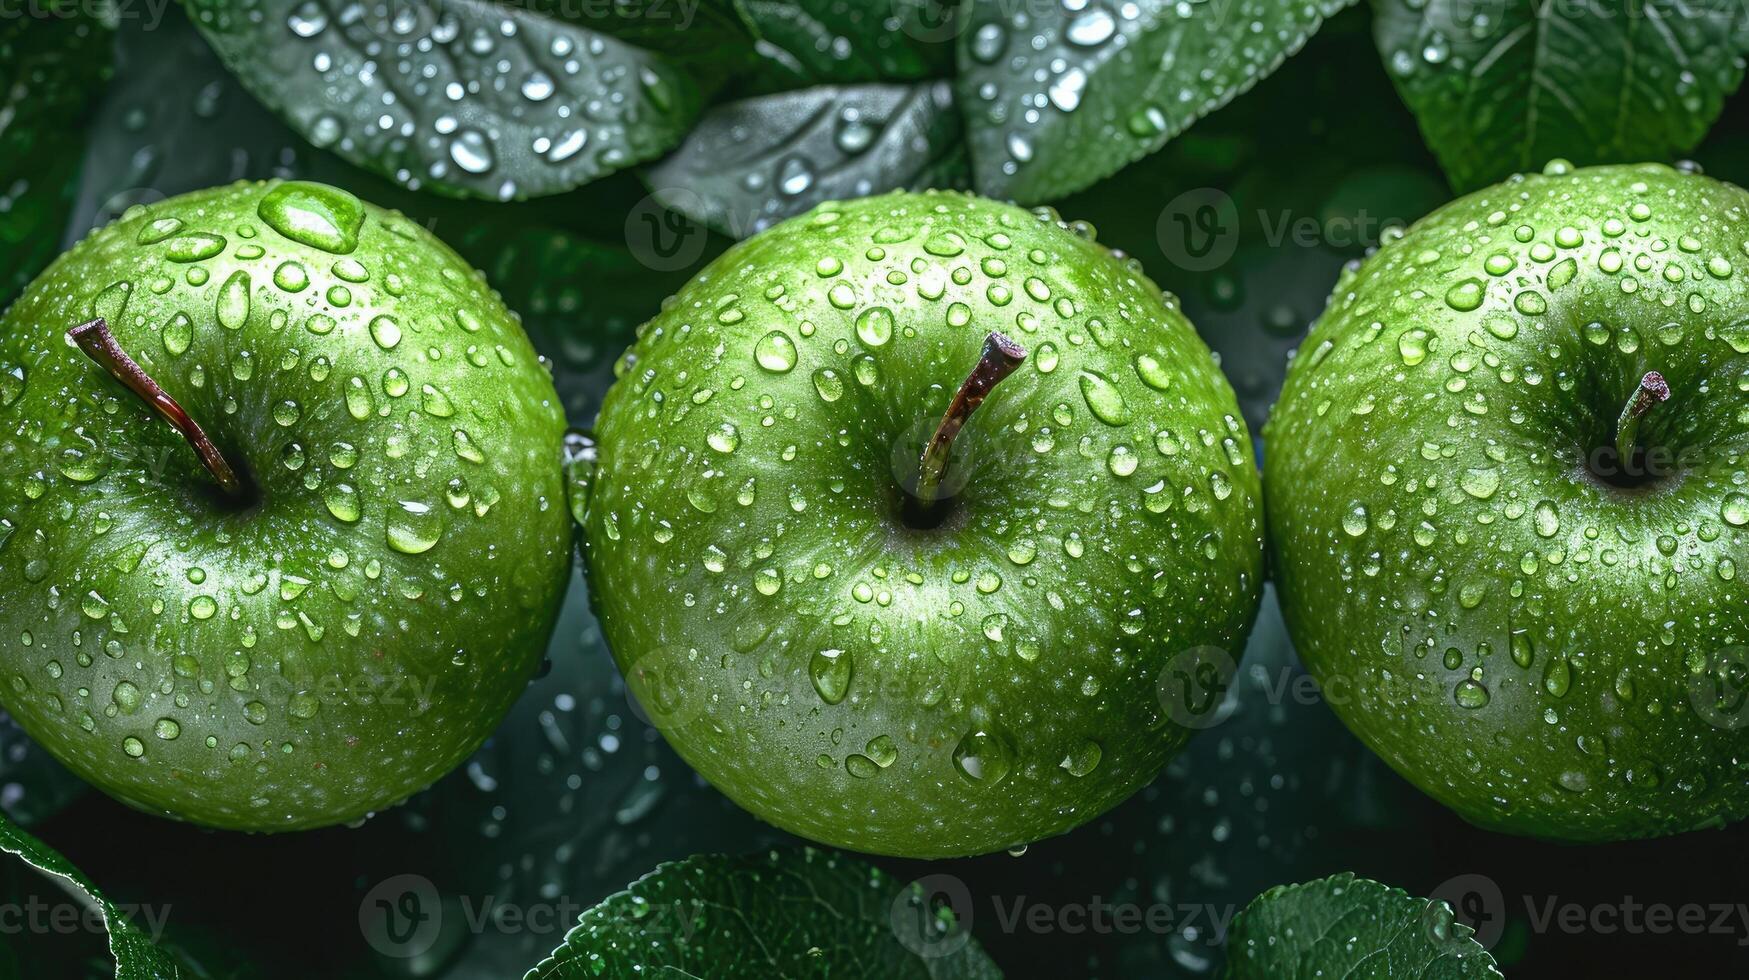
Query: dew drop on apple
{"points": [[828, 384], [775, 352], [386, 331], [1471, 694], [983, 756], [1465, 295], [343, 502], [413, 528], [1083, 758], [232, 306], [12, 379], [314, 215], [724, 438], [1735, 509], [358, 399], [1104, 399], [1354, 521], [466, 448], [194, 247], [1151, 371], [126, 696], [874, 326], [830, 672]]}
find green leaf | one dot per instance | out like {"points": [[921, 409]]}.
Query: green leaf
{"points": [[1057, 98], [136, 958], [1343, 926], [752, 163], [1500, 86], [813, 41], [466, 97], [53, 60], [784, 913]]}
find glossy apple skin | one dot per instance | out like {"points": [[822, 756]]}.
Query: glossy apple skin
{"points": [[322, 650], [994, 679], [1544, 652]]}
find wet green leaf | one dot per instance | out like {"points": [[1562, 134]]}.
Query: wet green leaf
{"points": [[811, 41], [54, 58], [753, 163], [136, 958], [467, 97], [1056, 98], [784, 913], [1343, 926], [1500, 86]]}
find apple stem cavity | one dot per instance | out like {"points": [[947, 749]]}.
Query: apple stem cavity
{"points": [[1000, 357], [99, 344], [1653, 389]]}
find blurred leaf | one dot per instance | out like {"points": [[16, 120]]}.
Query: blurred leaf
{"points": [[1057, 97], [466, 97], [1343, 926], [784, 913], [54, 57], [814, 41], [1500, 86], [752, 163], [135, 956]]}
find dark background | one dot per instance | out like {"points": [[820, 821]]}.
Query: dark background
{"points": [[575, 796]]}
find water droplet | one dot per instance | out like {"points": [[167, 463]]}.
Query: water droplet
{"points": [[775, 352], [830, 671], [315, 215], [1104, 399], [874, 326], [413, 528], [983, 757], [1464, 296]]}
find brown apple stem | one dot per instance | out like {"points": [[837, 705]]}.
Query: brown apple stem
{"points": [[1652, 390], [1001, 356], [99, 344]]}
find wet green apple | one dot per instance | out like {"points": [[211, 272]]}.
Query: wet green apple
{"points": [[1506, 492], [321, 586], [901, 510]]}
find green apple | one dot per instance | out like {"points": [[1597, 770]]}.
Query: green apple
{"points": [[877, 618], [349, 614], [1507, 503]]}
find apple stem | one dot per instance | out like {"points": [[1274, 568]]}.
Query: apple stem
{"points": [[999, 359], [99, 344], [1652, 390]]}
